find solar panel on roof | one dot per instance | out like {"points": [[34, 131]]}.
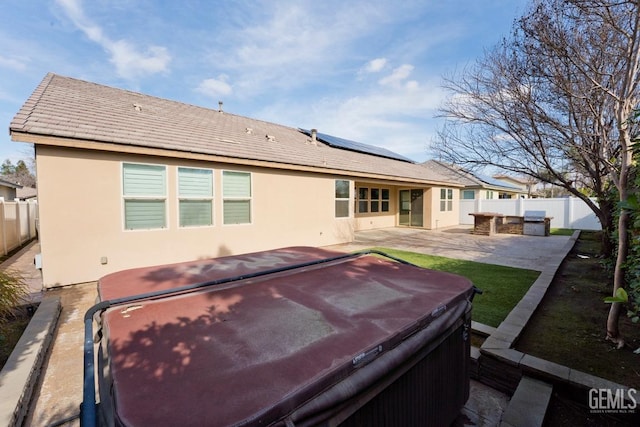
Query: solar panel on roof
{"points": [[496, 182], [346, 144]]}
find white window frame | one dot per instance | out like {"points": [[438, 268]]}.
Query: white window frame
{"points": [[473, 192], [182, 198], [370, 200], [124, 197], [342, 199], [446, 202], [360, 202], [383, 200], [226, 198]]}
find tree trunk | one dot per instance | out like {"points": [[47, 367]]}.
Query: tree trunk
{"points": [[606, 220], [613, 330], [606, 244]]}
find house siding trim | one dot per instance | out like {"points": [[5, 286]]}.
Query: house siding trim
{"points": [[189, 155]]}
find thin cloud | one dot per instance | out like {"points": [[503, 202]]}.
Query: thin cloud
{"points": [[412, 85], [12, 63], [130, 62], [393, 117], [375, 65], [215, 87], [397, 76], [294, 43]]}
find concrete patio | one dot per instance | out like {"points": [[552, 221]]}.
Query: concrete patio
{"points": [[528, 252], [58, 391]]}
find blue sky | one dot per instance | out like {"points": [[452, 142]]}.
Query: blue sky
{"points": [[370, 71]]}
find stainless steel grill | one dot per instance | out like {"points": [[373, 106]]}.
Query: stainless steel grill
{"points": [[534, 223]]}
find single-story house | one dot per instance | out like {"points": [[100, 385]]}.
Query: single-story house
{"points": [[526, 185], [476, 186], [157, 181], [27, 193], [8, 189]]}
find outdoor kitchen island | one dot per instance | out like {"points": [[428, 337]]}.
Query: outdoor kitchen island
{"points": [[294, 336], [532, 223]]}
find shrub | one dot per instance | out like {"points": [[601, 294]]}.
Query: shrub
{"points": [[13, 293], [632, 265]]}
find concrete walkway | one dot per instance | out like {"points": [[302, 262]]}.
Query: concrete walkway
{"points": [[23, 261], [59, 391]]}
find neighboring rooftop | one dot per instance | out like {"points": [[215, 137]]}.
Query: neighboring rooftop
{"points": [[69, 112], [467, 178], [8, 183], [26, 193], [519, 180]]}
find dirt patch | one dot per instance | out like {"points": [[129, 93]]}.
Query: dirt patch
{"points": [[569, 328], [11, 330], [570, 324]]}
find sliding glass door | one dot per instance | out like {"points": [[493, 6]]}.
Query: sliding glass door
{"points": [[411, 208]]}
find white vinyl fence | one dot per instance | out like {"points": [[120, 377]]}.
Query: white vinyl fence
{"points": [[17, 223], [567, 212]]}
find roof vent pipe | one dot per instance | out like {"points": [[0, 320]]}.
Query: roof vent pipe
{"points": [[314, 135], [220, 106]]}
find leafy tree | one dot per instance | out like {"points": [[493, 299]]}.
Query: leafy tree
{"points": [[21, 167], [18, 173], [632, 205], [7, 168], [554, 101]]}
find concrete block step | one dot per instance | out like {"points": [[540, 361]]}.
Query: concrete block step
{"points": [[528, 405], [19, 376]]}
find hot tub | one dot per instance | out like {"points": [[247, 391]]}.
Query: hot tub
{"points": [[291, 337]]}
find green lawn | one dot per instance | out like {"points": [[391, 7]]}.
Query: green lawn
{"points": [[561, 231], [502, 287]]}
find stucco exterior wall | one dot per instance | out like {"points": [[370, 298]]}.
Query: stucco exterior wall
{"points": [[434, 218], [375, 220], [82, 231], [372, 222], [8, 193]]}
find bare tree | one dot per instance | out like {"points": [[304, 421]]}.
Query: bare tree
{"points": [[556, 96]]}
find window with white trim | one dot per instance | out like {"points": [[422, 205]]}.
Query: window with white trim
{"points": [[384, 199], [373, 200], [363, 200], [236, 197], [342, 196], [195, 197], [446, 199], [468, 194], [144, 190], [489, 194]]}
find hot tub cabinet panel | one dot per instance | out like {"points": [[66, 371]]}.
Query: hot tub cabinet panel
{"points": [[322, 338]]}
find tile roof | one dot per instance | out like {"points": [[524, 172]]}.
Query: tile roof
{"points": [[26, 193], [519, 180], [65, 107], [467, 178], [6, 182]]}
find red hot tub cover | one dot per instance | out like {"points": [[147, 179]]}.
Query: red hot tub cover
{"points": [[254, 352]]}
